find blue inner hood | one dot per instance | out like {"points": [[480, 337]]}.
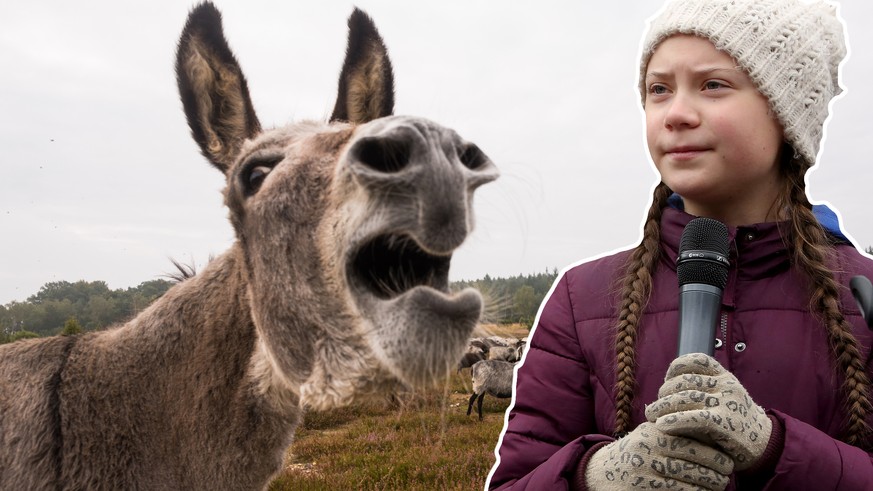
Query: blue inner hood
{"points": [[825, 216]]}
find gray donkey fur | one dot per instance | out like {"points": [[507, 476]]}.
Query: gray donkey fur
{"points": [[336, 287]]}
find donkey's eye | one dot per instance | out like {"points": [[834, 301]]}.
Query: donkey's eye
{"points": [[255, 173]]}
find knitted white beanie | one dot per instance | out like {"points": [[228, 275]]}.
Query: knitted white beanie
{"points": [[790, 49]]}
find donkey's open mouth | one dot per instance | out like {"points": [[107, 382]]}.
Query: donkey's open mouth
{"points": [[391, 264], [415, 326]]}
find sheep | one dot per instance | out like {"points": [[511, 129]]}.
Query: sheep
{"points": [[470, 358], [493, 377], [511, 353], [504, 353], [477, 350], [493, 341], [492, 348], [478, 344]]}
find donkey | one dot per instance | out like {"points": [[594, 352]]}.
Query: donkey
{"points": [[335, 288]]}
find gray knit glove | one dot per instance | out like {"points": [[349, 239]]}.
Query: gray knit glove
{"points": [[646, 458], [703, 401]]}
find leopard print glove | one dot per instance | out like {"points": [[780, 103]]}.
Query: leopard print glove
{"points": [[703, 401], [647, 458]]}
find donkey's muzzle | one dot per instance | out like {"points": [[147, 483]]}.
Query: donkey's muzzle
{"points": [[420, 178], [413, 182]]}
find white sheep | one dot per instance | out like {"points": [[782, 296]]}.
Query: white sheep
{"points": [[493, 377]]}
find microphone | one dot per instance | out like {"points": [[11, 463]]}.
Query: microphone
{"points": [[862, 289], [702, 268]]}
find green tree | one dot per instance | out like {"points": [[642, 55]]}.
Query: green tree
{"points": [[22, 335], [92, 303], [100, 311], [525, 304], [23, 315], [55, 312], [152, 289], [5, 322], [78, 293], [71, 327], [507, 299]]}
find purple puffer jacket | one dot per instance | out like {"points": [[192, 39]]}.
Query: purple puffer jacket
{"points": [[564, 405]]}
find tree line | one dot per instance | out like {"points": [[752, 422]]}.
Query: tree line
{"points": [[64, 307], [515, 299]]}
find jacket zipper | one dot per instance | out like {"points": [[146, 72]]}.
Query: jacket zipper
{"points": [[722, 340]]}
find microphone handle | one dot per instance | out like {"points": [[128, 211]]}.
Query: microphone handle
{"points": [[699, 309]]}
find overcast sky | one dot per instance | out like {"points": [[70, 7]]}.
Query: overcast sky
{"points": [[100, 179]]}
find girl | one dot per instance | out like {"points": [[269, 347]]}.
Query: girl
{"points": [[736, 94]]}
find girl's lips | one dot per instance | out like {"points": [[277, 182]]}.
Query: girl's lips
{"points": [[685, 153]]}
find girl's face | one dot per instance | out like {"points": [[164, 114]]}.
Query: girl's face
{"points": [[710, 132]]}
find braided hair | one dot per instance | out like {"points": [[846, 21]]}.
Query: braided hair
{"points": [[811, 250], [635, 288]]}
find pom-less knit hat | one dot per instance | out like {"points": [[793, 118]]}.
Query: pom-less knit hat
{"points": [[790, 49]]}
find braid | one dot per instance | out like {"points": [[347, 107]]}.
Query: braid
{"points": [[635, 287], [811, 250]]}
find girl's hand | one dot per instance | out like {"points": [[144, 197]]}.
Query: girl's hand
{"points": [[703, 401], [650, 459]]}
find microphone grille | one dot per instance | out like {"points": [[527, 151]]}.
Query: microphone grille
{"points": [[704, 234]]}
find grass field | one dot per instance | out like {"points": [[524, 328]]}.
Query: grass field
{"points": [[424, 441]]}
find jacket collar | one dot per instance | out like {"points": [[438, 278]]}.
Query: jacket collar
{"points": [[757, 250], [826, 217]]}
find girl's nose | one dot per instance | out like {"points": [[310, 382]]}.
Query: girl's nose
{"points": [[681, 112]]}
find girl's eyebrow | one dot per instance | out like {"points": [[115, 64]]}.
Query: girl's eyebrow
{"points": [[698, 71]]}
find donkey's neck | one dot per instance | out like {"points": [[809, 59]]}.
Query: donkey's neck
{"points": [[192, 363], [204, 323], [207, 331]]}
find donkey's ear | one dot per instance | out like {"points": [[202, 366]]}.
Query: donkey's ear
{"points": [[366, 84], [213, 88]]}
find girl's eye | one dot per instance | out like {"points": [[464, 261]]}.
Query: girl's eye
{"points": [[657, 89], [713, 85]]}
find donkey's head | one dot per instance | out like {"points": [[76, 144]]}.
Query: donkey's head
{"points": [[347, 228]]}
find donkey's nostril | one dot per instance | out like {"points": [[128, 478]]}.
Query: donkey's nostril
{"points": [[472, 157], [383, 154]]}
